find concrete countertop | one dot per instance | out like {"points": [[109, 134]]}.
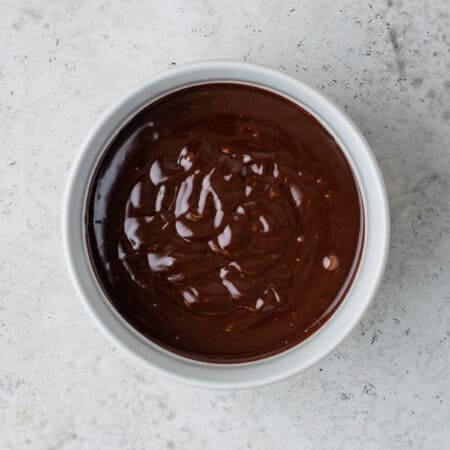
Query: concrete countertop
{"points": [[63, 385]]}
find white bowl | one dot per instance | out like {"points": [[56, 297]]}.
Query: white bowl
{"points": [[326, 338]]}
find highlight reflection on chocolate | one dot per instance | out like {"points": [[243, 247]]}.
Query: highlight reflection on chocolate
{"points": [[224, 223]]}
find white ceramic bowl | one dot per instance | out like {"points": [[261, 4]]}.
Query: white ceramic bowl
{"points": [[266, 370]]}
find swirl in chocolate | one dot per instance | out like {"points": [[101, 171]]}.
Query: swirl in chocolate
{"points": [[224, 223]]}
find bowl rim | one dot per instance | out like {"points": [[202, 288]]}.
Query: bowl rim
{"points": [[357, 299]]}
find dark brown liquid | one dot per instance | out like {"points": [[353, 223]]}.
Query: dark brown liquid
{"points": [[224, 223]]}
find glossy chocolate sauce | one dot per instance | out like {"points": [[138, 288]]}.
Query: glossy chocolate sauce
{"points": [[224, 223]]}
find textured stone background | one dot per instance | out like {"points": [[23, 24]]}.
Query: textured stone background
{"points": [[62, 385]]}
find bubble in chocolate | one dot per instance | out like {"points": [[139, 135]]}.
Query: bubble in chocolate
{"points": [[330, 262]]}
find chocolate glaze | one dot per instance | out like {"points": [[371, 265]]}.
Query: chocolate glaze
{"points": [[224, 223]]}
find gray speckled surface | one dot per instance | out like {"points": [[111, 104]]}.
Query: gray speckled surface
{"points": [[63, 386]]}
